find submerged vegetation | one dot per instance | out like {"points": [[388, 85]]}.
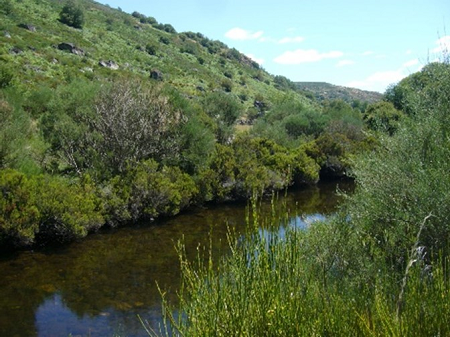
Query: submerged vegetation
{"points": [[379, 267]]}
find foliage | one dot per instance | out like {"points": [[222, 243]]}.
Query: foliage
{"points": [[6, 77], [146, 191], [409, 174], [64, 126], [6, 6], [14, 132], [224, 109], [383, 116], [44, 208], [379, 267], [72, 14], [68, 211], [19, 215], [291, 283], [135, 122]]}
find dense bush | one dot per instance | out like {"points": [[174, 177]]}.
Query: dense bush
{"points": [[46, 209], [72, 14], [19, 216], [383, 116], [407, 179], [6, 77], [146, 191], [224, 109]]}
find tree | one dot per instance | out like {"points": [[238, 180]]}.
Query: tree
{"points": [[383, 116], [135, 122], [72, 14]]}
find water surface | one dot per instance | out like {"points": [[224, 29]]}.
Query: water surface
{"points": [[98, 286]]}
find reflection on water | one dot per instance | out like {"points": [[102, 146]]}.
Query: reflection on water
{"points": [[98, 286]]}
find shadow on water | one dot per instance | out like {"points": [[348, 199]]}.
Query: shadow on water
{"points": [[98, 286]]}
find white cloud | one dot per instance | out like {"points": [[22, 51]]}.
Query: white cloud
{"points": [[267, 39], [305, 56], [242, 34], [443, 45], [410, 63], [367, 53], [344, 63], [379, 81], [295, 39], [256, 59]]}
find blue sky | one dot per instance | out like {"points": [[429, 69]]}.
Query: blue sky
{"points": [[357, 43]]}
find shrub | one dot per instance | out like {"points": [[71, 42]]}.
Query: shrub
{"points": [[6, 6], [383, 116], [224, 109], [147, 191], [19, 215], [42, 209], [6, 77], [68, 210], [151, 49], [226, 84], [72, 14]]}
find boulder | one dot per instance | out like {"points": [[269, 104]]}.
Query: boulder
{"points": [[6, 34], [259, 105], [27, 26], [156, 75], [109, 64], [71, 48], [16, 51]]}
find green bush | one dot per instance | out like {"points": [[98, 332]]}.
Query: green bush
{"points": [[42, 209], [68, 210], [19, 215], [6, 77], [147, 191], [383, 116], [72, 14], [224, 109]]}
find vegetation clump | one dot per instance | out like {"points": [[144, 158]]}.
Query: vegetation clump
{"points": [[72, 14]]}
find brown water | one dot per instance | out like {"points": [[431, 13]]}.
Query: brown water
{"points": [[98, 286]]}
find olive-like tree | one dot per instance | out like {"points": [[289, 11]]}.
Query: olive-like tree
{"points": [[72, 14]]}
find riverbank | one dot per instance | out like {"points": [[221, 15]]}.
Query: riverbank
{"points": [[45, 209], [99, 284]]}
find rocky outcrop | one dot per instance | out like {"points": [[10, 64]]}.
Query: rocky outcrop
{"points": [[108, 64], [156, 75], [71, 48], [27, 26], [15, 51]]}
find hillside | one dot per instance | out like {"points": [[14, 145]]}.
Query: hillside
{"points": [[40, 50], [322, 91], [108, 118]]}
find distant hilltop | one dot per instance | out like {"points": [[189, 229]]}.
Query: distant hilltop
{"points": [[322, 91]]}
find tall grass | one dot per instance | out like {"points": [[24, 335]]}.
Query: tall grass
{"points": [[285, 283]]}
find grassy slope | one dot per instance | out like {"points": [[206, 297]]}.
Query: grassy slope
{"points": [[109, 34], [326, 91]]}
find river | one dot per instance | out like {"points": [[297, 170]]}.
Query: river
{"points": [[99, 285]]}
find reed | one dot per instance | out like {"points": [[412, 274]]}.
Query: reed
{"points": [[293, 282]]}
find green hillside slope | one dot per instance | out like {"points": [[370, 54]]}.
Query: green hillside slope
{"points": [[107, 118], [39, 49], [325, 91]]}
